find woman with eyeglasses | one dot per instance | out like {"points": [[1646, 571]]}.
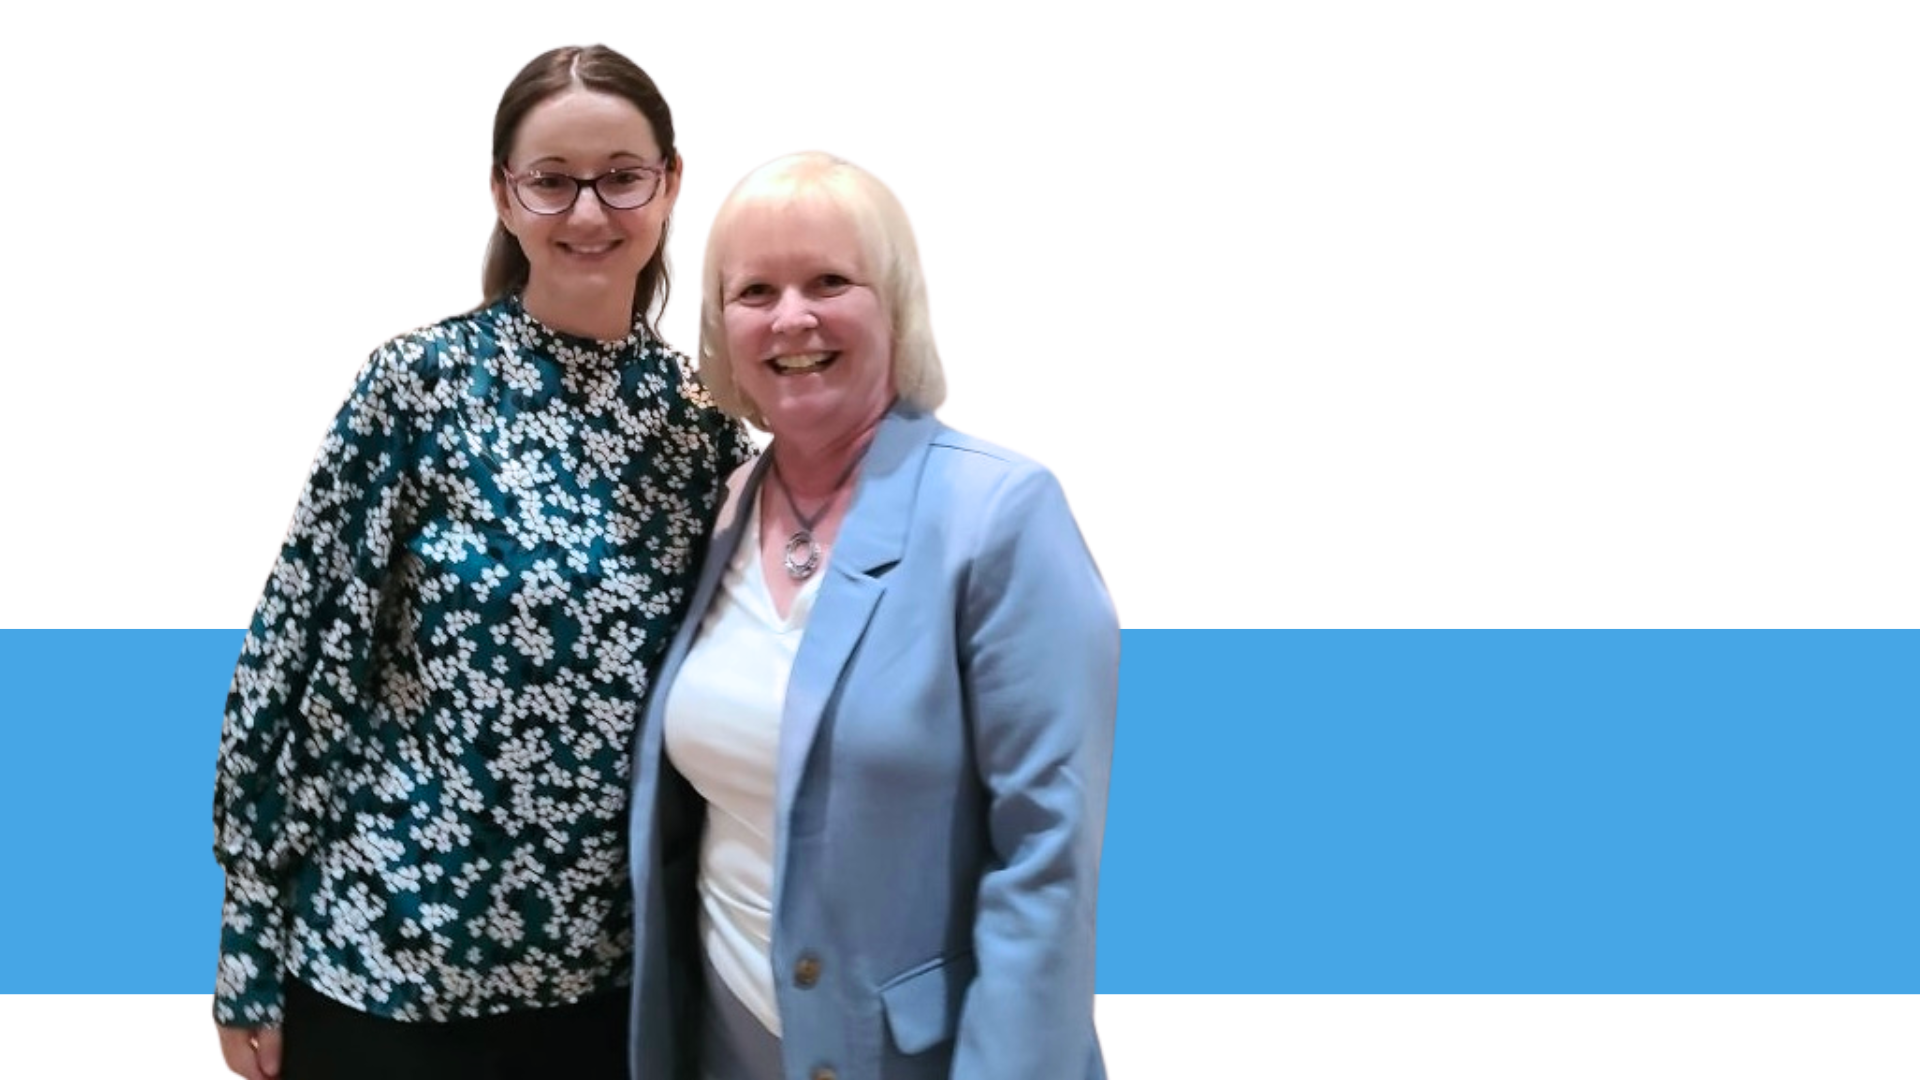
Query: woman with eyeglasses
{"points": [[872, 784], [424, 770]]}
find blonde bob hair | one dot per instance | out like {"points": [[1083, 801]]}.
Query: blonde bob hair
{"points": [[892, 259]]}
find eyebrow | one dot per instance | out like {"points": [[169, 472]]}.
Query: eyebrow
{"points": [[561, 159]]}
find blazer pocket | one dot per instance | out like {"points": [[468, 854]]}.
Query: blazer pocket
{"points": [[923, 1005]]}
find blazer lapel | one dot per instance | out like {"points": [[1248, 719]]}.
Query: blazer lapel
{"points": [[872, 537]]}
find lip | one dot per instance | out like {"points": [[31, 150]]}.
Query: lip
{"points": [[803, 363], [598, 249]]}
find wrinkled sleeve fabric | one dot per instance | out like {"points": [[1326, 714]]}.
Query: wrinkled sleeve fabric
{"points": [[303, 677], [1041, 666], [736, 448]]}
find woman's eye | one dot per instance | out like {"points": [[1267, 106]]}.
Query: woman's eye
{"points": [[753, 293], [547, 183], [834, 283], [624, 180]]}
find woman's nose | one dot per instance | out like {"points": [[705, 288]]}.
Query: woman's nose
{"points": [[792, 312], [587, 205]]}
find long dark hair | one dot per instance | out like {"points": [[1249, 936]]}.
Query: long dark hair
{"points": [[600, 69]]}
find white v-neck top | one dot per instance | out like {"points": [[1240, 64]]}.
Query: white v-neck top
{"points": [[723, 734]]}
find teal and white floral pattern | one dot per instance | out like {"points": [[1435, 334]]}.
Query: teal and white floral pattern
{"points": [[421, 797]]}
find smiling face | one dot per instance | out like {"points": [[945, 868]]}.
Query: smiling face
{"points": [[583, 262], [808, 334]]}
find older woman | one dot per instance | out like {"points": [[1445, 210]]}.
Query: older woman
{"points": [[869, 798]]}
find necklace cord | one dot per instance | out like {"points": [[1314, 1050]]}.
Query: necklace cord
{"points": [[802, 543], [807, 522]]}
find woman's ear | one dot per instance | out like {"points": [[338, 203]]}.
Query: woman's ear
{"points": [[673, 181], [500, 206]]}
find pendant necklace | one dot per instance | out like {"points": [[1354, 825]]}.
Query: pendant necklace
{"points": [[802, 554]]}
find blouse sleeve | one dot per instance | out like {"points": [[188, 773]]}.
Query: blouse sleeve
{"points": [[302, 678], [1041, 664], [730, 439], [736, 447]]}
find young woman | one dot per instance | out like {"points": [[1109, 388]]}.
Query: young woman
{"points": [[424, 771]]}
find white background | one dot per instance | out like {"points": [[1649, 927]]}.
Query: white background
{"points": [[1418, 315], [1360, 314]]}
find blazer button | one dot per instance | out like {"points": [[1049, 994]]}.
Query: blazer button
{"points": [[806, 972]]}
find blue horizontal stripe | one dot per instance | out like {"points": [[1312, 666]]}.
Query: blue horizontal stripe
{"points": [[1308, 811]]}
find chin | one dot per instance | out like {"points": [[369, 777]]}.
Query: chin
{"points": [[796, 417], [818, 418]]}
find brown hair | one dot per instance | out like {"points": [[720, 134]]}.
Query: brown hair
{"points": [[604, 71]]}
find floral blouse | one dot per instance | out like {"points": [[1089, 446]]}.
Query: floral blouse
{"points": [[424, 768]]}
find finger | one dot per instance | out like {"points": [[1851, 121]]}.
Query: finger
{"points": [[236, 1048], [266, 1049]]}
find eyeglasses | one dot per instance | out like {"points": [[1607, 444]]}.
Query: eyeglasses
{"points": [[629, 187]]}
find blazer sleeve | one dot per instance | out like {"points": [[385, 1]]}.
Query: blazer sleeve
{"points": [[1041, 665], [301, 679]]}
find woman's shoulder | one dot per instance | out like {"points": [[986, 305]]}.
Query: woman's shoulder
{"points": [[456, 338], [953, 439], [965, 456], [451, 345], [691, 389], [416, 370]]}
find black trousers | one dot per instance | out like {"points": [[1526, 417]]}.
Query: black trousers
{"points": [[325, 1040]]}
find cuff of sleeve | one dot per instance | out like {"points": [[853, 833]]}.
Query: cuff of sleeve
{"points": [[247, 990]]}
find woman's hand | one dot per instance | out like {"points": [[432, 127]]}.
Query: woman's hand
{"points": [[252, 1052]]}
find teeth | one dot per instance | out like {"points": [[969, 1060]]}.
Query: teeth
{"points": [[593, 249], [801, 361]]}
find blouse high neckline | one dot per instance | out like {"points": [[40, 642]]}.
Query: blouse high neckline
{"points": [[563, 345]]}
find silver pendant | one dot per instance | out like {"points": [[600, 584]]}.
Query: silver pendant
{"points": [[798, 542]]}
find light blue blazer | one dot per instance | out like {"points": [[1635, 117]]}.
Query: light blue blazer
{"points": [[942, 785]]}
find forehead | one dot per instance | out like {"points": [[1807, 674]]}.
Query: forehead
{"points": [[767, 236], [578, 124]]}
